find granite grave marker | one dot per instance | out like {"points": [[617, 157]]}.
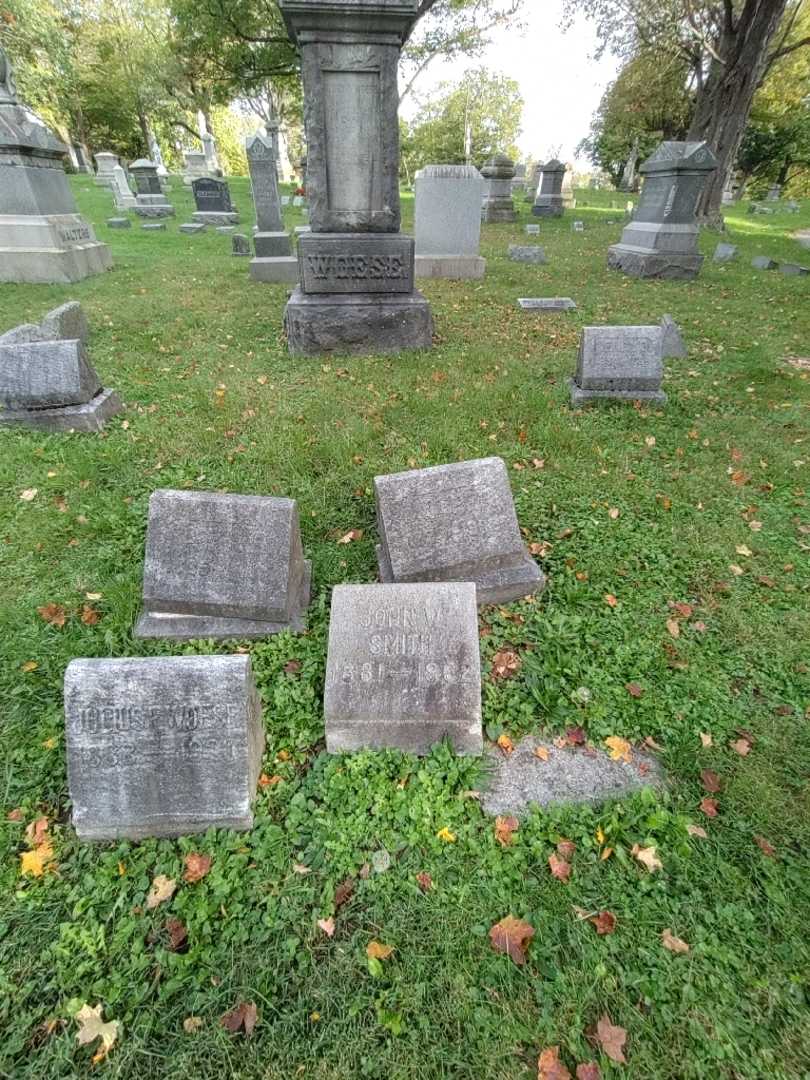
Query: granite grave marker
{"points": [[274, 259], [527, 253], [497, 204], [212, 198], [548, 201], [619, 362], [150, 202], [448, 222]]}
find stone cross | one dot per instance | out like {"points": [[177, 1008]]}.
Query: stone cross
{"points": [[261, 155]]}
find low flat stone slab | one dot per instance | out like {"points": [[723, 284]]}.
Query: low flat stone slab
{"points": [[154, 226], [793, 269], [527, 253], [572, 775], [725, 253], [240, 246], [764, 262], [225, 229], [89, 417], [547, 303], [579, 226], [192, 228], [119, 223], [162, 746], [403, 669], [532, 230], [209, 217]]}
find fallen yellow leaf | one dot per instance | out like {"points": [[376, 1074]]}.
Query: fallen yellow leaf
{"points": [[376, 951], [647, 857], [620, 749], [446, 835]]}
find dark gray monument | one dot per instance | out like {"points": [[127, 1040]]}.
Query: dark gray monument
{"points": [[212, 198], [548, 200], [622, 363], [454, 523], [43, 238], [46, 379], [403, 669], [162, 746], [497, 204], [274, 258], [222, 566], [356, 292], [661, 240], [150, 201]]}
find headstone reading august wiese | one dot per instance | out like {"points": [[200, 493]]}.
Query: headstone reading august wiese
{"points": [[454, 523], [162, 746], [448, 222], [661, 240], [274, 258], [622, 363], [356, 292], [43, 238], [403, 669], [213, 200], [222, 566]]}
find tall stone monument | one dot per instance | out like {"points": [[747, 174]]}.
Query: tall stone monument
{"points": [[274, 258], [448, 222], [662, 239], [356, 292], [43, 238], [548, 202], [497, 205]]}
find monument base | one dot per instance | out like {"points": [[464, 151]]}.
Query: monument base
{"points": [[273, 270], [643, 263], [499, 217], [454, 267], [580, 397], [499, 585], [49, 249], [193, 627], [161, 211], [547, 210], [361, 324], [212, 217], [89, 417], [272, 245]]}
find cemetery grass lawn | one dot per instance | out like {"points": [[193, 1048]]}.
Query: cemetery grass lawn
{"points": [[713, 513]]}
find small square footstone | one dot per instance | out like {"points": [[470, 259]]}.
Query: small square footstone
{"points": [[725, 253], [571, 775], [579, 226], [454, 523], [403, 670], [224, 230], [547, 303], [532, 230], [222, 566], [119, 223], [162, 746], [240, 245], [527, 253], [154, 226], [619, 362], [192, 228]]}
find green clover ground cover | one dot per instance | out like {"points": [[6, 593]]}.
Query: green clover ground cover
{"points": [[712, 514]]}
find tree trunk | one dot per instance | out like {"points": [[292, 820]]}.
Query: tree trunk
{"points": [[144, 126], [784, 173], [724, 101]]}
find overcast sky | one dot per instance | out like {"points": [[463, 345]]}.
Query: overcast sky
{"points": [[560, 82]]}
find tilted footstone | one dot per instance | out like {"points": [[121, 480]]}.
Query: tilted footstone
{"points": [[623, 363], [240, 245], [522, 780], [547, 303], [793, 269], [222, 566], [764, 262], [192, 228], [356, 268], [162, 746], [661, 240], [673, 345], [454, 523], [724, 253], [527, 253], [119, 223], [403, 668]]}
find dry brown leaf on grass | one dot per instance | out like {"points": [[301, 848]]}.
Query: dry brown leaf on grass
{"points": [[705, 740], [505, 664], [328, 926], [53, 615], [90, 616], [765, 847], [197, 866], [605, 922], [352, 535], [674, 944], [634, 690], [424, 881], [192, 1024], [549, 1066], [647, 857], [163, 889], [612, 1040], [344, 892], [505, 829], [711, 781], [566, 849], [512, 936], [242, 1016], [589, 1070], [741, 747], [695, 830], [375, 950], [560, 869], [92, 1027], [710, 807]]}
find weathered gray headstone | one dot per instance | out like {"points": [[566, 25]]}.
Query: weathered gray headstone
{"points": [[119, 223], [240, 245], [196, 166], [162, 746], [623, 363], [774, 193], [579, 226], [725, 253], [222, 566], [105, 168], [403, 669], [454, 523], [548, 201], [793, 269], [532, 230], [154, 226], [213, 200], [547, 303], [274, 255], [661, 240], [43, 238], [150, 202], [192, 228], [672, 343], [567, 190], [122, 193], [66, 322], [353, 263], [448, 222], [497, 204], [764, 262], [527, 253]]}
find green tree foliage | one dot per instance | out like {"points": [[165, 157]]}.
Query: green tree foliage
{"points": [[467, 121], [648, 102]]}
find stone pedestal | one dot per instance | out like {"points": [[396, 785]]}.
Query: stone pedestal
{"points": [[497, 205], [356, 270], [548, 201], [448, 222], [43, 238], [274, 260], [661, 241]]}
